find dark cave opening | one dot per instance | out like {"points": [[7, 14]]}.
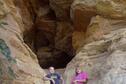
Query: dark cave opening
{"points": [[50, 38], [51, 49], [44, 47]]}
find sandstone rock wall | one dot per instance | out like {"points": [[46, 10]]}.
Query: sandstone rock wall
{"points": [[53, 29], [18, 64], [102, 51]]}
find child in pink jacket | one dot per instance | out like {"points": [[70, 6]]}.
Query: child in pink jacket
{"points": [[80, 77]]}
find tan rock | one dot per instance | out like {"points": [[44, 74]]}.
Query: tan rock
{"points": [[102, 54], [108, 8], [83, 10], [18, 64]]}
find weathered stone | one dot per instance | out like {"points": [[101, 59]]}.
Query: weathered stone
{"points": [[18, 64], [61, 8], [109, 8], [64, 37], [96, 30], [102, 53], [83, 10], [81, 15]]}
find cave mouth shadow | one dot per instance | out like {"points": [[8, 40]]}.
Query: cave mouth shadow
{"points": [[47, 54], [60, 61]]}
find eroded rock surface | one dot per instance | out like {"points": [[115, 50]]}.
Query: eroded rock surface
{"points": [[55, 30], [102, 53], [18, 64]]}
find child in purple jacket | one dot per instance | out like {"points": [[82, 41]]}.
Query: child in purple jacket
{"points": [[80, 77]]}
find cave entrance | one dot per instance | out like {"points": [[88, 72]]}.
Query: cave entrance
{"points": [[44, 46], [51, 38], [51, 42]]}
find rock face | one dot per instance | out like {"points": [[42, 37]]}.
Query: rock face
{"points": [[102, 52], [61, 8], [83, 10], [18, 64], [54, 30]]}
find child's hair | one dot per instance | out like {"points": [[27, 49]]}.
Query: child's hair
{"points": [[77, 66]]}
